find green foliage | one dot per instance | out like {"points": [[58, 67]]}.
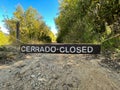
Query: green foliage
{"points": [[112, 44], [4, 39], [89, 21], [32, 27]]}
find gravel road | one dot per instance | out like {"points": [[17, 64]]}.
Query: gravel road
{"points": [[58, 72]]}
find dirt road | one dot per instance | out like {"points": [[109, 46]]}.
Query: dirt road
{"points": [[58, 72]]}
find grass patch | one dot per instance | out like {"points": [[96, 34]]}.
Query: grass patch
{"points": [[4, 39]]}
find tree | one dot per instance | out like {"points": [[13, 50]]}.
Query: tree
{"points": [[89, 21], [32, 27]]}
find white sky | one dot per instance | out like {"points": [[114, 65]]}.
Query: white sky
{"points": [[3, 28]]}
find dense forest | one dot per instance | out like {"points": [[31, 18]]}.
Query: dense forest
{"points": [[32, 27], [89, 21]]}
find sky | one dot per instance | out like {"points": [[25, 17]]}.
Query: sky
{"points": [[47, 8]]}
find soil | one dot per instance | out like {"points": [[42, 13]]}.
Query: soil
{"points": [[59, 72]]}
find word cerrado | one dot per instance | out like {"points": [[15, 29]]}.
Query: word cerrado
{"points": [[63, 49]]}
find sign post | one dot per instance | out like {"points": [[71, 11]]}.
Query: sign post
{"points": [[18, 31]]}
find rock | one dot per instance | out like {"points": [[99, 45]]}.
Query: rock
{"points": [[32, 76], [28, 57], [41, 79]]}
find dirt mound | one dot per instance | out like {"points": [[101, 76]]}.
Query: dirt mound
{"points": [[10, 54], [58, 72]]}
